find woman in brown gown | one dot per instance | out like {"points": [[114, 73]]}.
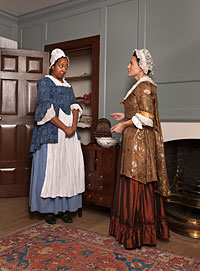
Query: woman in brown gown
{"points": [[138, 216]]}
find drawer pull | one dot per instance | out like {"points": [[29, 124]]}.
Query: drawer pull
{"points": [[89, 197], [101, 187], [89, 185], [89, 175], [100, 199], [96, 160], [100, 177]]}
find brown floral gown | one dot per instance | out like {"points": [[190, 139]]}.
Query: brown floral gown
{"points": [[138, 216]]}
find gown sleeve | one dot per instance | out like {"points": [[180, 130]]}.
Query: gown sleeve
{"points": [[48, 116], [44, 101], [76, 106], [145, 100]]}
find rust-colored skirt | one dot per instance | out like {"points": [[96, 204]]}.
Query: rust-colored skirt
{"points": [[138, 216]]}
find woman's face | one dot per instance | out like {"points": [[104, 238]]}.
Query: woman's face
{"points": [[134, 69], [60, 68]]}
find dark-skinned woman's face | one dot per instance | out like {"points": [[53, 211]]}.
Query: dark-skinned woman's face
{"points": [[60, 68]]}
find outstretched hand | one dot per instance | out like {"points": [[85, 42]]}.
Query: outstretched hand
{"points": [[117, 116], [118, 128]]}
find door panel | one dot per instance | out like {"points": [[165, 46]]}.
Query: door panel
{"points": [[31, 97], [19, 72], [9, 63], [8, 135], [9, 90]]}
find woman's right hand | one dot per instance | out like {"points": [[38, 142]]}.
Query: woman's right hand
{"points": [[117, 116], [118, 128]]}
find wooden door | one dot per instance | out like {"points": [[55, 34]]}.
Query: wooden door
{"points": [[19, 72]]}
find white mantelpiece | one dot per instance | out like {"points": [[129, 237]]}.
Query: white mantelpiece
{"points": [[180, 130]]}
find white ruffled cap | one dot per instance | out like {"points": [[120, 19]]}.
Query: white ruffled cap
{"points": [[146, 60], [55, 55]]}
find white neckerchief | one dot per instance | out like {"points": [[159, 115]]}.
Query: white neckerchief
{"points": [[57, 82], [143, 79]]}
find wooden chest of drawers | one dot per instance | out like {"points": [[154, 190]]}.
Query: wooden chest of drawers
{"points": [[100, 174]]}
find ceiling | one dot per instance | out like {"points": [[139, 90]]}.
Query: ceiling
{"points": [[20, 7]]}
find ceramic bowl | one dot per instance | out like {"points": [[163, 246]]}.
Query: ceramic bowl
{"points": [[107, 142]]}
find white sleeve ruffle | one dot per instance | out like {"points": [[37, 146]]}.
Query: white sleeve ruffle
{"points": [[49, 115], [137, 122], [140, 120], [77, 107]]}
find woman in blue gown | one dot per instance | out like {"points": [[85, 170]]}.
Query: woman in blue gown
{"points": [[57, 175]]}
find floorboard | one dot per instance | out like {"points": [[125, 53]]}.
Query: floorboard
{"points": [[15, 215]]}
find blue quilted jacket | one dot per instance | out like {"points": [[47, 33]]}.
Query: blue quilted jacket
{"points": [[48, 93]]}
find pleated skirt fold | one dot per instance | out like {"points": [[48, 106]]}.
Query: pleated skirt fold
{"points": [[138, 216]]}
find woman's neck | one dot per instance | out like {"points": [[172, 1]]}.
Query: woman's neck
{"points": [[59, 79], [139, 76]]}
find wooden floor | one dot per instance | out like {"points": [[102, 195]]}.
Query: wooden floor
{"points": [[15, 215]]}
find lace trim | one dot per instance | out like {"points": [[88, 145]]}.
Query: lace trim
{"points": [[137, 122], [58, 83], [48, 116], [140, 120], [77, 107], [143, 79], [145, 60], [144, 120]]}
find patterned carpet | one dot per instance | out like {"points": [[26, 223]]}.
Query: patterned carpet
{"points": [[59, 247]]}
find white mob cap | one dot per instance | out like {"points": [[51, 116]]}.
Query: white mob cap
{"points": [[145, 60], [55, 55]]}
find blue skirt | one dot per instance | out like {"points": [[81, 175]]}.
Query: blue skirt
{"points": [[47, 205]]}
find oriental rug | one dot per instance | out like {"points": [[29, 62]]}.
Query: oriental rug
{"points": [[60, 247]]}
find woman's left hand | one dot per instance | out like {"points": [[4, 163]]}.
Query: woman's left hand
{"points": [[69, 131], [117, 116], [118, 128]]}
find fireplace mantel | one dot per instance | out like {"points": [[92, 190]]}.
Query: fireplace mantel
{"points": [[180, 130], [182, 147]]}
